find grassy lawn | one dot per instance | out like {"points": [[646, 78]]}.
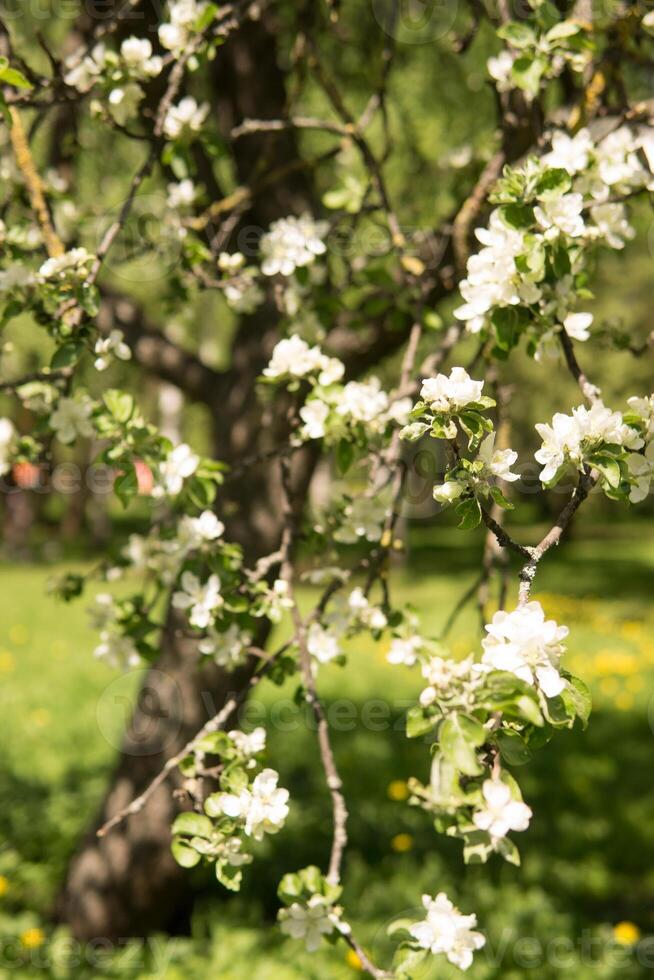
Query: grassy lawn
{"points": [[587, 880]]}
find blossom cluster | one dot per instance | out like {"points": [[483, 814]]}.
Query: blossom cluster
{"points": [[485, 712], [641, 465], [116, 76], [594, 436], [336, 412], [248, 805], [528, 276], [540, 48], [447, 404]]}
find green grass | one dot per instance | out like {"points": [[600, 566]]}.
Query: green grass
{"points": [[588, 857]]}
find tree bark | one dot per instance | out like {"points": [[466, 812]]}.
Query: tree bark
{"points": [[127, 884]]}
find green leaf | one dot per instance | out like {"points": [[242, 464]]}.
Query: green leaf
{"points": [[11, 76], [509, 851], [608, 467], [67, 355], [500, 499], [234, 779], [344, 456], [119, 404], [193, 824], [561, 262], [477, 852], [184, 855], [229, 876], [216, 743], [126, 484], [527, 73], [578, 697], [567, 28], [417, 722], [407, 959], [554, 182], [517, 215], [290, 888], [513, 748], [399, 925], [458, 737], [506, 323], [528, 708], [518, 35], [470, 513]]}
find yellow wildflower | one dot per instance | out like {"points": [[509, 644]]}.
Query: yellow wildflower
{"points": [[32, 938], [353, 960], [398, 790], [626, 933], [402, 843]]}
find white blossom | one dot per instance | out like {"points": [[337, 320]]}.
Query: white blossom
{"points": [[453, 393], [445, 930], [364, 517], [243, 294], [322, 644], [249, 743], [310, 921], [72, 263], [576, 325], [176, 32], [363, 401], [573, 437], [7, 437], [123, 103], [293, 357], [314, 414], [644, 409], [278, 599], [524, 643], [112, 345], [641, 471], [202, 599], [571, 153], [499, 68], [181, 463], [186, 117], [405, 650], [117, 650], [498, 462], [193, 532], [445, 493], [263, 807], [292, 243], [617, 159], [561, 214], [82, 74], [137, 54], [491, 274], [364, 612], [72, 418], [181, 195], [611, 224], [103, 612], [442, 675], [501, 813], [228, 648]]}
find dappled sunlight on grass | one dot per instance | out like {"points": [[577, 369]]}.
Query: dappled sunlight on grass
{"points": [[586, 857]]}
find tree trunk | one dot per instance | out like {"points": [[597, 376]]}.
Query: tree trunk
{"points": [[127, 883]]}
